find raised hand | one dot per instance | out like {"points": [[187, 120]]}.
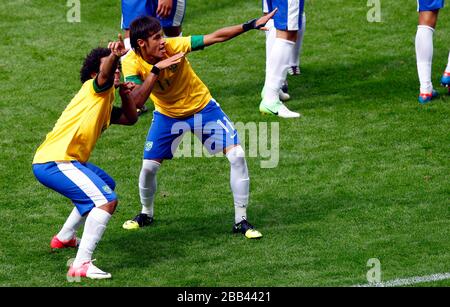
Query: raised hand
{"points": [[126, 88], [118, 48], [261, 22]]}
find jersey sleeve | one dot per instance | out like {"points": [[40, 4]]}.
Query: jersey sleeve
{"points": [[104, 88], [176, 45], [130, 70]]}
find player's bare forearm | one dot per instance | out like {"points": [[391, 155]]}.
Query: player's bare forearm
{"points": [[227, 33], [222, 35], [141, 93], [106, 75], [129, 113]]}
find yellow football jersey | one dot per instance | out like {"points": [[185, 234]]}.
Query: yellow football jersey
{"points": [[179, 92], [78, 128]]}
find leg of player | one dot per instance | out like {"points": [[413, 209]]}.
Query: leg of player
{"points": [[172, 31], [294, 70], [445, 80], [172, 22], [67, 235], [94, 228], [271, 35], [424, 54], [276, 72], [126, 39], [147, 190], [287, 22], [240, 182]]}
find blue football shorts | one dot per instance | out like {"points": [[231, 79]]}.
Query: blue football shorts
{"points": [[429, 5], [211, 125], [85, 184], [132, 9], [289, 15]]}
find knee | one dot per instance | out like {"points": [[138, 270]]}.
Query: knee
{"points": [[110, 207], [236, 156], [150, 166], [428, 18], [172, 31]]}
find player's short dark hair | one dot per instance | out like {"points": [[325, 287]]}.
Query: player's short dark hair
{"points": [[142, 28], [92, 63]]}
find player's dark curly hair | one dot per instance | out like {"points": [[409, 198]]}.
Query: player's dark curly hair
{"points": [[92, 63], [142, 28]]}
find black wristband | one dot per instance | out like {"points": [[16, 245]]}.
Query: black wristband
{"points": [[155, 70], [249, 25]]}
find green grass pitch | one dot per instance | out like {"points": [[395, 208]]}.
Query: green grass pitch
{"points": [[365, 173]]}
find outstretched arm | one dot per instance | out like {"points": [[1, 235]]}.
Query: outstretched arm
{"points": [[228, 33]]}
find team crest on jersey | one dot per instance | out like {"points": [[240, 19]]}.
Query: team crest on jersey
{"points": [[173, 68], [148, 146], [107, 189]]}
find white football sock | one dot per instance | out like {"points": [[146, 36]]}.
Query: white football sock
{"points": [[93, 231], [448, 64], [239, 181], [126, 42], [424, 57], [298, 44], [73, 222], [147, 185], [277, 66], [271, 35]]}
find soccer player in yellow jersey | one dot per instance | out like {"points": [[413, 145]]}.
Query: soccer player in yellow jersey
{"points": [[183, 103], [61, 161]]}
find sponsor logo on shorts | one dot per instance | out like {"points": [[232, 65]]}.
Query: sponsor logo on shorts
{"points": [[107, 189], [148, 146]]}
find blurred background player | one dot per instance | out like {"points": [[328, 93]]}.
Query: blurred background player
{"points": [[169, 12], [294, 68], [283, 45], [428, 15], [183, 104], [60, 162]]}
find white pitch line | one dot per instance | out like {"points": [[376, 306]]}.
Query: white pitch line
{"points": [[408, 281]]}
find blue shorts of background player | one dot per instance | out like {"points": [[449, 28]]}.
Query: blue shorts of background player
{"points": [[85, 184], [131, 9], [429, 5], [211, 125], [289, 15]]}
